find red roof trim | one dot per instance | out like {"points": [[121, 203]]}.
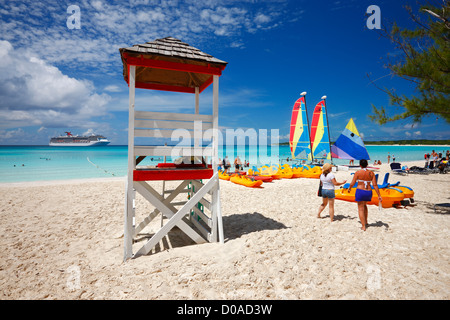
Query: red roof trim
{"points": [[176, 66], [172, 174], [206, 84]]}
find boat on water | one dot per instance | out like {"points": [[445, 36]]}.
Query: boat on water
{"points": [[70, 140]]}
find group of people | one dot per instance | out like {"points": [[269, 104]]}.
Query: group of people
{"points": [[225, 164], [362, 178], [434, 159], [389, 158]]}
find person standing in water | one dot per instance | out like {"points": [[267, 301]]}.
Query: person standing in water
{"points": [[363, 193]]}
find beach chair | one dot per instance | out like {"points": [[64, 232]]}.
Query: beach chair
{"points": [[441, 206], [443, 167], [397, 168], [419, 170], [386, 183]]}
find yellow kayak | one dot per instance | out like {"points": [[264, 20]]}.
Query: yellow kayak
{"points": [[297, 172], [313, 173], [286, 174], [286, 171], [224, 176], [245, 181], [266, 171], [408, 192]]}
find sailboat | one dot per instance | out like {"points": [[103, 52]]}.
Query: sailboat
{"points": [[299, 139], [320, 134], [349, 145]]}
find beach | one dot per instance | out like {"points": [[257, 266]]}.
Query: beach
{"points": [[64, 240]]}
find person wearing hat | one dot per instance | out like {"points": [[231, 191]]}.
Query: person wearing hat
{"points": [[328, 181]]}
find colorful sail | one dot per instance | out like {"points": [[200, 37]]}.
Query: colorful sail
{"points": [[299, 140], [349, 144], [320, 140]]}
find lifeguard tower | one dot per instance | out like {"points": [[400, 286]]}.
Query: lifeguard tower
{"points": [[171, 65]]}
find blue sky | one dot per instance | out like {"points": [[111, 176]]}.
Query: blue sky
{"points": [[55, 79]]}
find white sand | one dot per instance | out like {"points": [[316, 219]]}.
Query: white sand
{"points": [[275, 247]]}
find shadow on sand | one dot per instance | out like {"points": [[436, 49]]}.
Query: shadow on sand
{"points": [[337, 217], [237, 225], [378, 224], [234, 227]]}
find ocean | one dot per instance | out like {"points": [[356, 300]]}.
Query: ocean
{"points": [[43, 163]]}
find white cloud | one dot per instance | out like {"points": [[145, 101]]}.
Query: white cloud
{"points": [[237, 44], [152, 100], [106, 26], [392, 131], [418, 133], [112, 88], [89, 132], [97, 4], [262, 18], [33, 92], [11, 134], [335, 115], [286, 136]]}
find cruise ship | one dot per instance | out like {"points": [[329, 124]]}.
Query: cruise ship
{"points": [[69, 140]]}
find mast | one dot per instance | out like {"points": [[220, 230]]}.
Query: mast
{"points": [[324, 98], [303, 94]]}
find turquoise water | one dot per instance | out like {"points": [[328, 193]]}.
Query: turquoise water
{"points": [[39, 163]]}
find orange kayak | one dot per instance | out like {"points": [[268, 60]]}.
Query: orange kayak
{"points": [[286, 174], [245, 181], [390, 196], [408, 192], [262, 178]]}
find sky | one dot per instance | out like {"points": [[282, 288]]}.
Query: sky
{"points": [[56, 78]]}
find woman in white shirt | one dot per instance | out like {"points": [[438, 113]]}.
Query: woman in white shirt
{"points": [[328, 181]]}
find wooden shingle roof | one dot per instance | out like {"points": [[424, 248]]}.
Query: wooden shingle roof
{"points": [[172, 47], [170, 64]]}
